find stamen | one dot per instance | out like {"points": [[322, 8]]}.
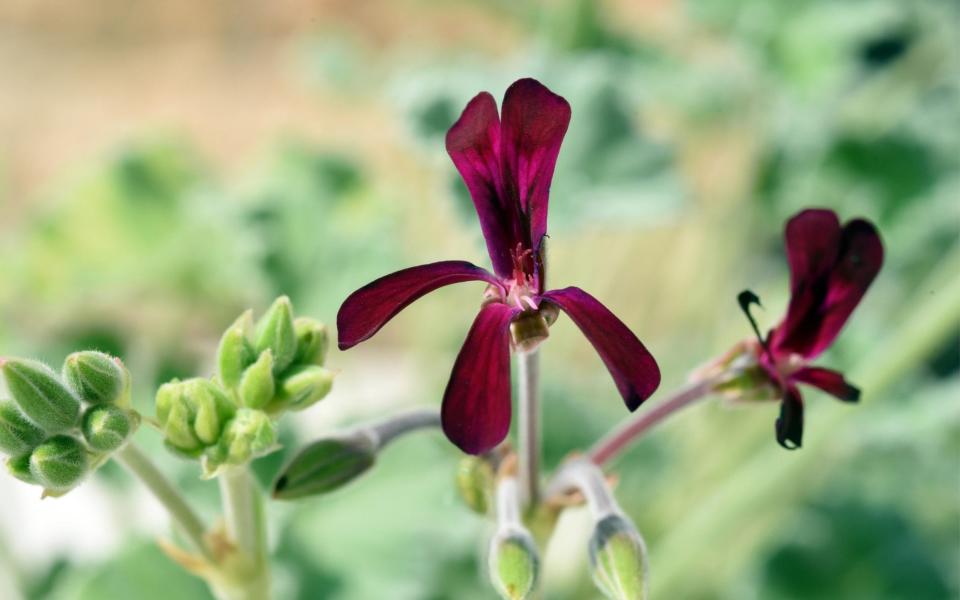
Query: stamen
{"points": [[745, 299]]}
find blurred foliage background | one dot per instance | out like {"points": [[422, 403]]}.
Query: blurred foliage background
{"points": [[165, 165]]}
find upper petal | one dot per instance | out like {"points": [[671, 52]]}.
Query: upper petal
{"points": [[633, 368], [368, 309], [476, 403], [534, 123], [832, 382], [473, 143], [789, 425]]}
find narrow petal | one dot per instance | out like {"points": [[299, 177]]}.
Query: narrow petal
{"points": [[368, 309], [789, 426], [829, 381], [476, 404], [633, 368], [534, 123], [473, 143]]}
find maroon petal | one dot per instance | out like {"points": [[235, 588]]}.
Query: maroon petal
{"points": [[633, 368], [789, 425], [368, 309], [534, 123], [829, 381], [476, 403], [474, 145]]}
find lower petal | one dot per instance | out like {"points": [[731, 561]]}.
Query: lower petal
{"points": [[789, 425], [829, 381], [476, 404]]}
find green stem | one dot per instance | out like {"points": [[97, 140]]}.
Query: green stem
{"points": [[528, 376], [187, 521], [243, 512]]}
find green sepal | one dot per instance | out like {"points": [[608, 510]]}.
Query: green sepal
{"points": [[19, 467], [235, 352], [257, 386], [18, 435], [313, 340], [106, 427], [303, 387], [275, 332], [325, 465], [40, 394], [59, 463], [514, 565], [475, 481], [97, 378], [618, 559]]}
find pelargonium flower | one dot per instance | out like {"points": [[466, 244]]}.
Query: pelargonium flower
{"points": [[507, 162], [831, 268]]}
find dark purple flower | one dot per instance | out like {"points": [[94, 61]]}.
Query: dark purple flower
{"points": [[507, 163], [831, 267]]}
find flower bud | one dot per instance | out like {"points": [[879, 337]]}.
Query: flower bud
{"points": [[106, 427], [514, 564], [305, 386], [18, 435], [257, 385], [41, 395], [19, 467], [213, 409], [59, 463], [235, 352], [251, 433], [475, 481], [275, 332], [96, 378], [192, 414], [326, 465], [528, 329], [312, 341], [618, 559]]}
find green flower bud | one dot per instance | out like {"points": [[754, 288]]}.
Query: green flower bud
{"points": [[618, 559], [313, 340], [106, 427], [305, 386], [250, 434], [257, 385], [213, 409], [59, 463], [275, 332], [475, 481], [19, 467], [514, 564], [326, 465], [177, 415], [235, 352], [18, 435], [96, 378], [41, 395]]}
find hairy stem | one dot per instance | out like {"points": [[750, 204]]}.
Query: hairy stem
{"points": [[585, 475], [393, 427], [187, 521], [528, 377], [620, 438], [243, 513]]}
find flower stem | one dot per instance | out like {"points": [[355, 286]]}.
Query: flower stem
{"points": [[528, 376], [182, 514], [393, 427], [617, 440], [244, 516], [586, 476]]}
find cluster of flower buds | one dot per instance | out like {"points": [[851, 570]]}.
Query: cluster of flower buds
{"points": [[59, 428], [263, 369]]}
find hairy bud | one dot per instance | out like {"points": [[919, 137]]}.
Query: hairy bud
{"points": [[97, 378], [41, 395], [326, 465], [257, 386], [514, 564], [59, 463], [275, 332], [18, 435], [618, 559], [106, 427], [19, 467], [313, 340], [235, 352], [475, 481], [192, 414], [248, 435], [305, 386]]}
